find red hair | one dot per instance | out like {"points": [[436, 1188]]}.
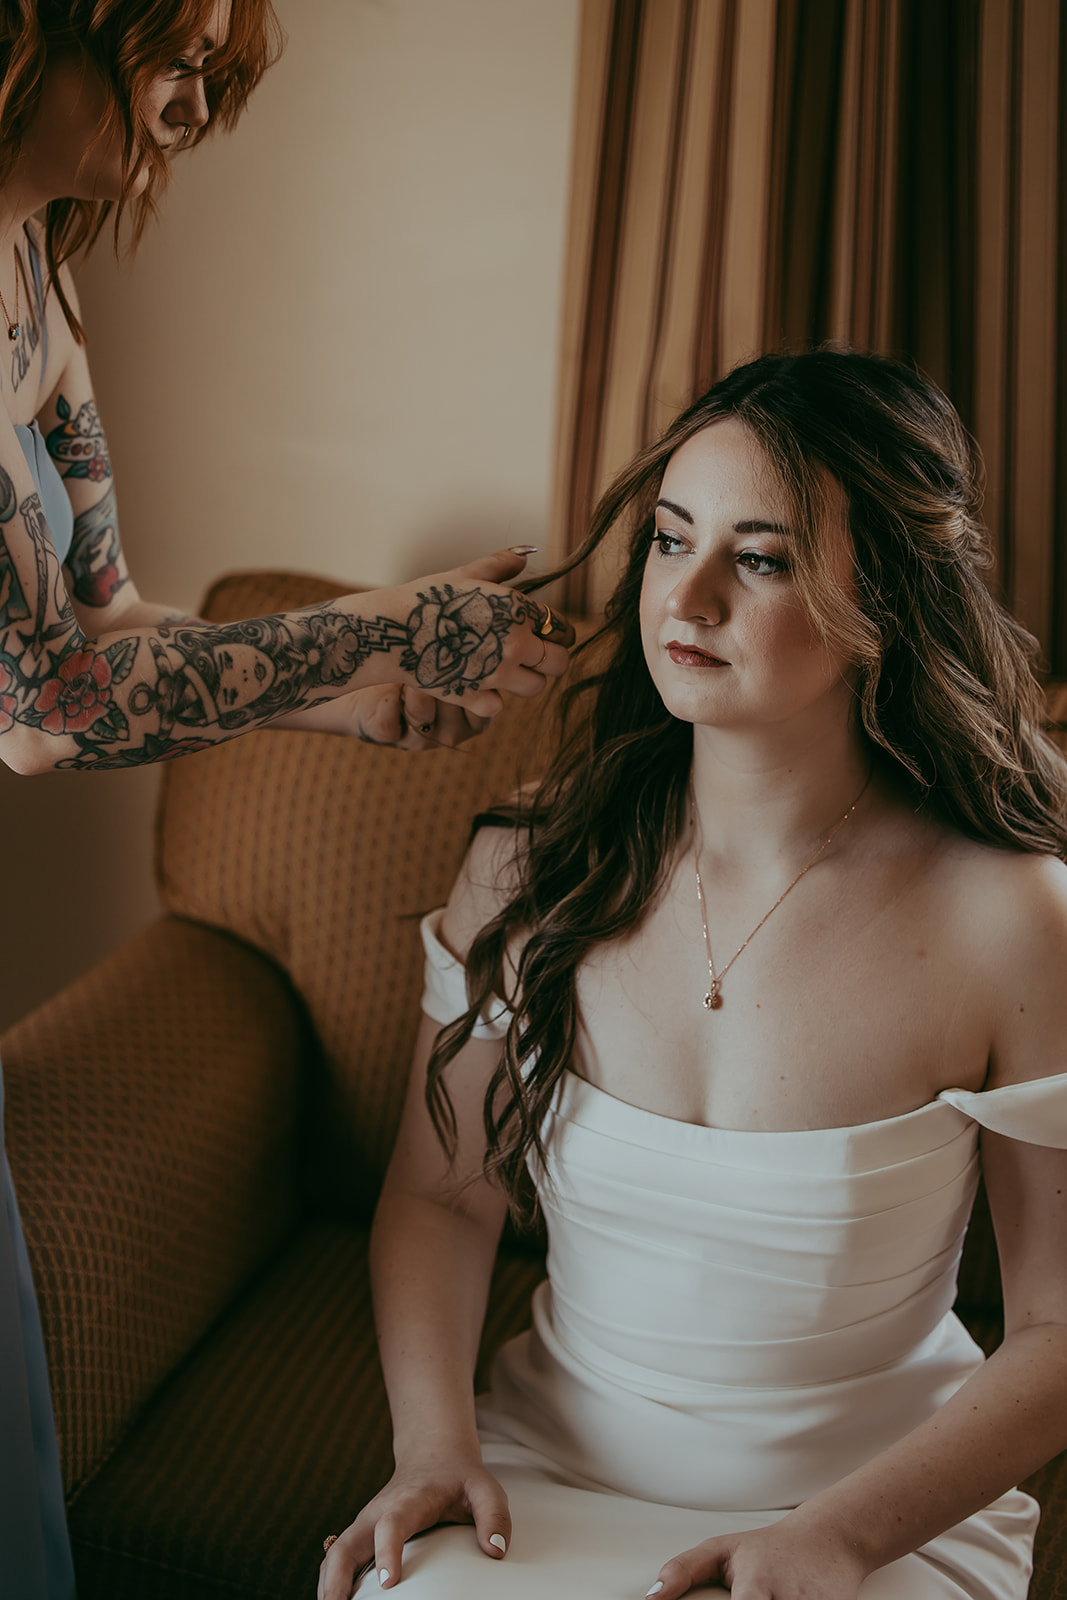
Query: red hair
{"points": [[126, 42]]}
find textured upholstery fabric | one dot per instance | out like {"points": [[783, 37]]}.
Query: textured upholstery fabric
{"points": [[150, 1117], [271, 1438], [324, 852], [197, 1142]]}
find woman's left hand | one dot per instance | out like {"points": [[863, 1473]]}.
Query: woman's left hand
{"points": [[781, 1562], [402, 717]]}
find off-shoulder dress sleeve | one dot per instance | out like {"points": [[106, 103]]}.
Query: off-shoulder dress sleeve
{"points": [[444, 997], [1035, 1111]]}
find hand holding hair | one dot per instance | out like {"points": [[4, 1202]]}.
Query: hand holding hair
{"points": [[471, 638]]}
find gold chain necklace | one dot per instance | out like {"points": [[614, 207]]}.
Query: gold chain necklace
{"points": [[713, 998], [12, 327]]}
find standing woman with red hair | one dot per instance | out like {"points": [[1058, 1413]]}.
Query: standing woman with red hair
{"points": [[95, 97]]}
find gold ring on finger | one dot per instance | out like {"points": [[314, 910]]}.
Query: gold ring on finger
{"points": [[331, 1538], [548, 626]]}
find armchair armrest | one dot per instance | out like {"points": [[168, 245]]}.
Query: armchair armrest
{"points": [[151, 1120], [1049, 1488]]}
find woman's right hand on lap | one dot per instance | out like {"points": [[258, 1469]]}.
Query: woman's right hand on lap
{"points": [[412, 1501]]}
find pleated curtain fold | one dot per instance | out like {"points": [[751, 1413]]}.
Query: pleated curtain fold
{"points": [[888, 173]]}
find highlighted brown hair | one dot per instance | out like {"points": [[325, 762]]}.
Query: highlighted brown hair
{"points": [[126, 43], [947, 698]]}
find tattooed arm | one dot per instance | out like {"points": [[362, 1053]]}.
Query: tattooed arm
{"points": [[104, 598], [98, 581], [128, 696]]}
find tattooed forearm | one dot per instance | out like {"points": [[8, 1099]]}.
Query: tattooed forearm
{"points": [[196, 682], [247, 672], [93, 559], [77, 445]]}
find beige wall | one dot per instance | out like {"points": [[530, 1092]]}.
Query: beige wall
{"points": [[336, 352]]}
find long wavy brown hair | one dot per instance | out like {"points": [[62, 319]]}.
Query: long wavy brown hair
{"points": [[126, 43], [946, 692]]}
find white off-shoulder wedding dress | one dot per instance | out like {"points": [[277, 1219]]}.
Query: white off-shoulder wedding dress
{"points": [[731, 1322]]}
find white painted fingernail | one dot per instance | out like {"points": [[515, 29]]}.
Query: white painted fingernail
{"points": [[655, 1589], [383, 1578], [523, 549], [500, 1542]]}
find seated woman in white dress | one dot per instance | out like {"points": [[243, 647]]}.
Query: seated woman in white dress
{"points": [[781, 930]]}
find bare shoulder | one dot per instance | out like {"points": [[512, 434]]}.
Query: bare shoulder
{"points": [[1012, 911], [486, 882], [1020, 894]]}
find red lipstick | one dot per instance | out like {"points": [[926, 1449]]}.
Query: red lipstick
{"points": [[688, 655]]}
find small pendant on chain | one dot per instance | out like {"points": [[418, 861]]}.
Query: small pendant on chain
{"points": [[713, 999], [12, 331]]}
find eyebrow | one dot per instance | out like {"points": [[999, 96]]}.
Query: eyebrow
{"points": [[754, 526], [679, 511], [763, 527]]}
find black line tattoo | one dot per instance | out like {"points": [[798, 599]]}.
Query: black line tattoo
{"points": [[457, 640], [33, 516], [93, 557], [243, 672], [13, 606], [25, 346], [8, 497], [49, 578], [23, 350], [77, 445]]}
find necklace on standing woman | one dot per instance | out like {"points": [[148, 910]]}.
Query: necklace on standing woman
{"points": [[12, 325], [713, 998]]}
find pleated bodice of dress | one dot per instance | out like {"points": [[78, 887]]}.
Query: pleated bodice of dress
{"points": [[782, 1297]]}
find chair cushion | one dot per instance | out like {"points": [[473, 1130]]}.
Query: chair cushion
{"points": [[272, 1436]]}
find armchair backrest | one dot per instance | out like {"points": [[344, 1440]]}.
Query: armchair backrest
{"points": [[323, 853]]}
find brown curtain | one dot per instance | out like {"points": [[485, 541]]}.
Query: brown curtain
{"points": [[887, 172]]}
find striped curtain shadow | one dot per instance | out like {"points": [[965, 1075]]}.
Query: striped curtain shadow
{"points": [[881, 172], [1021, 324], [678, 137]]}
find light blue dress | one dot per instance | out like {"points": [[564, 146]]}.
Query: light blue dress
{"points": [[35, 1560]]}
